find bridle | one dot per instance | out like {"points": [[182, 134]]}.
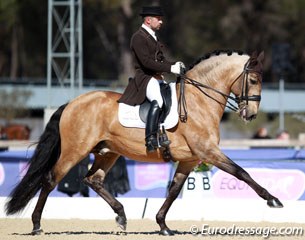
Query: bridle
{"points": [[244, 96], [245, 86]]}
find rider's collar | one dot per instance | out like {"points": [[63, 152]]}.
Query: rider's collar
{"points": [[150, 31]]}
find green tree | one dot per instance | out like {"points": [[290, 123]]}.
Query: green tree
{"points": [[192, 28], [23, 31], [9, 15], [12, 104]]}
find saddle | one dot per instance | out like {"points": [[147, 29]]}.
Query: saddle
{"points": [[129, 116], [136, 116], [167, 103]]}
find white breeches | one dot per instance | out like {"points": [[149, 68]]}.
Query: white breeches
{"points": [[153, 91]]}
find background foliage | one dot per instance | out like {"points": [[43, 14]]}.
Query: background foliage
{"points": [[191, 29]]}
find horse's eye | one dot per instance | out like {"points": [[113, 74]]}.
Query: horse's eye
{"points": [[253, 81]]}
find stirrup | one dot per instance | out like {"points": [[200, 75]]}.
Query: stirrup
{"points": [[163, 139], [151, 143]]}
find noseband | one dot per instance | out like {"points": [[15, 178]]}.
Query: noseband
{"points": [[245, 87], [200, 86]]}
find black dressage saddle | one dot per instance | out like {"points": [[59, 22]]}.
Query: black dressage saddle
{"points": [[167, 103]]}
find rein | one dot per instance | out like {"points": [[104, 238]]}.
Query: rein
{"points": [[183, 79]]}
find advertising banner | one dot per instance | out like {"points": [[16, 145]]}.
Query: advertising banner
{"points": [[280, 171], [283, 179]]}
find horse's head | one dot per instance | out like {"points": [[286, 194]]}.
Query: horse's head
{"points": [[248, 87], [223, 72]]}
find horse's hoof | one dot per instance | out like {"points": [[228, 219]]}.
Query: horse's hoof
{"points": [[274, 203], [121, 222], [166, 232], [37, 231]]}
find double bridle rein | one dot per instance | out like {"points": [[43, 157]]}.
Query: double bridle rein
{"points": [[200, 86]]}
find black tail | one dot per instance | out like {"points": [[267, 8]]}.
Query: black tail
{"points": [[44, 158]]}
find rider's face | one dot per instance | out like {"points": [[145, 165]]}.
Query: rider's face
{"points": [[155, 22]]}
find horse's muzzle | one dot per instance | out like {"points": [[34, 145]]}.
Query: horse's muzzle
{"points": [[251, 117], [246, 115]]}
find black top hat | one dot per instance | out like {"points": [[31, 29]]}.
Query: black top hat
{"points": [[151, 11]]}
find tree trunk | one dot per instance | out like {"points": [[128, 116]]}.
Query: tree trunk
{"points": [[124, 33], [14, 53], [2, 62]]}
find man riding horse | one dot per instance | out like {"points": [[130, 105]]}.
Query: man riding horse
{"points": [[149, 63]]}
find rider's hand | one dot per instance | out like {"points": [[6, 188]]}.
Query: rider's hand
{"points": [[178, 68]]}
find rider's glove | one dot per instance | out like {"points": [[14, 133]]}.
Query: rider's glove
{"points": [[178, 68]]}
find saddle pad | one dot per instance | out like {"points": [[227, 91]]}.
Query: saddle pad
{"points": [[129, 115]]}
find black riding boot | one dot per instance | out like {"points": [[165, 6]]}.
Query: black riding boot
{"points": [[152, 127]]}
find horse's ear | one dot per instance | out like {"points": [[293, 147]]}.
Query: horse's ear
{"points": [[261, 56]]}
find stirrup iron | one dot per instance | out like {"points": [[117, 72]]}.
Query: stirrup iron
{"points": [[163, 139], [151, 143]]}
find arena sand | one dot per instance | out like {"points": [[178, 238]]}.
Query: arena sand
{"points": [[76, 229]]}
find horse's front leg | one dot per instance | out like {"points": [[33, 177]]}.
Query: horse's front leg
{"points": [[181, 174], [218, 159]]}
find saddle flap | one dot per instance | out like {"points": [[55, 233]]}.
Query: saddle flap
{"points": [[143, 110], [167, 103], [167, 100]]}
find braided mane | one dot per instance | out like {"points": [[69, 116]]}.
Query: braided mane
{"points": [[215, 53]]}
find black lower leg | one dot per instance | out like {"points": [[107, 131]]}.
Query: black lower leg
{"points": [[152, 127], [173, 193], [48, 186], [241, 174]]}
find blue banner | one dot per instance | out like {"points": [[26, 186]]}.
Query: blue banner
{"points": [[280, 171]]}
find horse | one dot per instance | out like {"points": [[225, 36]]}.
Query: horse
{"points": [[15, 132], [89, 124]]}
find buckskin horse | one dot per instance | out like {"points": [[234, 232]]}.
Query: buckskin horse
{"points": [[89, 124]]}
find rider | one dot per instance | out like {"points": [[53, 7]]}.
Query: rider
{"points": [[149, 63]]}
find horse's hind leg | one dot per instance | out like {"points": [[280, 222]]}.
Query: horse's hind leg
{"points": [[95, 179], [47, 186], [226, 164], [51, 179]]}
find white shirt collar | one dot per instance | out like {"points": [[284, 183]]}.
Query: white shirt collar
{"points": [[150, 31]]}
